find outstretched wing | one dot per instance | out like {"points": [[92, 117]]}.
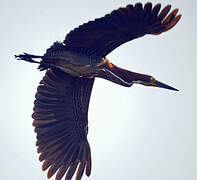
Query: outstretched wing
{"points": [[60, 120], [103, 35]]}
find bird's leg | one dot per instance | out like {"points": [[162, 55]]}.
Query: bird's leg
{"points": [[27, 57]]}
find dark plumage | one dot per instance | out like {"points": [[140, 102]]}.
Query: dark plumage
{"points": [[62, 98]]}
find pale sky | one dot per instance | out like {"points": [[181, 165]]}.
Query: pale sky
{"points": [[138, 133]]}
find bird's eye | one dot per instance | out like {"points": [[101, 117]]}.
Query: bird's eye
{"points": [[152, 79]]}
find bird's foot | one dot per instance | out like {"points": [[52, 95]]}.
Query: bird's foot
{"points": [[27, 57]]}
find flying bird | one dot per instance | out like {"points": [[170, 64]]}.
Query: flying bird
{"points": [[62, 98]]}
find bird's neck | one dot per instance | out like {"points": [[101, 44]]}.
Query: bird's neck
{"points": [[118, 75]]}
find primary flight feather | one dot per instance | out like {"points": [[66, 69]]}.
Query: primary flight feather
{"points": [[62, 98]]}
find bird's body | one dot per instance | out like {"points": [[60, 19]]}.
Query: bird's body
{"points": [[62, 98]]}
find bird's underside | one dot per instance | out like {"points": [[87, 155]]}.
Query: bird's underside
{"points": [[62, 98]]}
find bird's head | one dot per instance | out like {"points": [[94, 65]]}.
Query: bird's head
{"points": [[147, 80]]}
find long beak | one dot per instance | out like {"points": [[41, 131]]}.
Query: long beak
{"points": [[162, 85]]}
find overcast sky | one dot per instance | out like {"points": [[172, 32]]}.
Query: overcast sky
{"points": [[138, 133]]}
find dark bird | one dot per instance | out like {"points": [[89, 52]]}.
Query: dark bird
{"points": [[62, 99]]}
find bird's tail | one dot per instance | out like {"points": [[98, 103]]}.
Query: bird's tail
{"points": [[43, 64]]}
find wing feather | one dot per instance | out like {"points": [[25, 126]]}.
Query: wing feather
{"points": [[103, 35], [60, 120]]}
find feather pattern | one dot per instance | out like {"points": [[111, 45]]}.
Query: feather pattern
{"points": [[62, 98], [60, 120], [104, 34]]}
